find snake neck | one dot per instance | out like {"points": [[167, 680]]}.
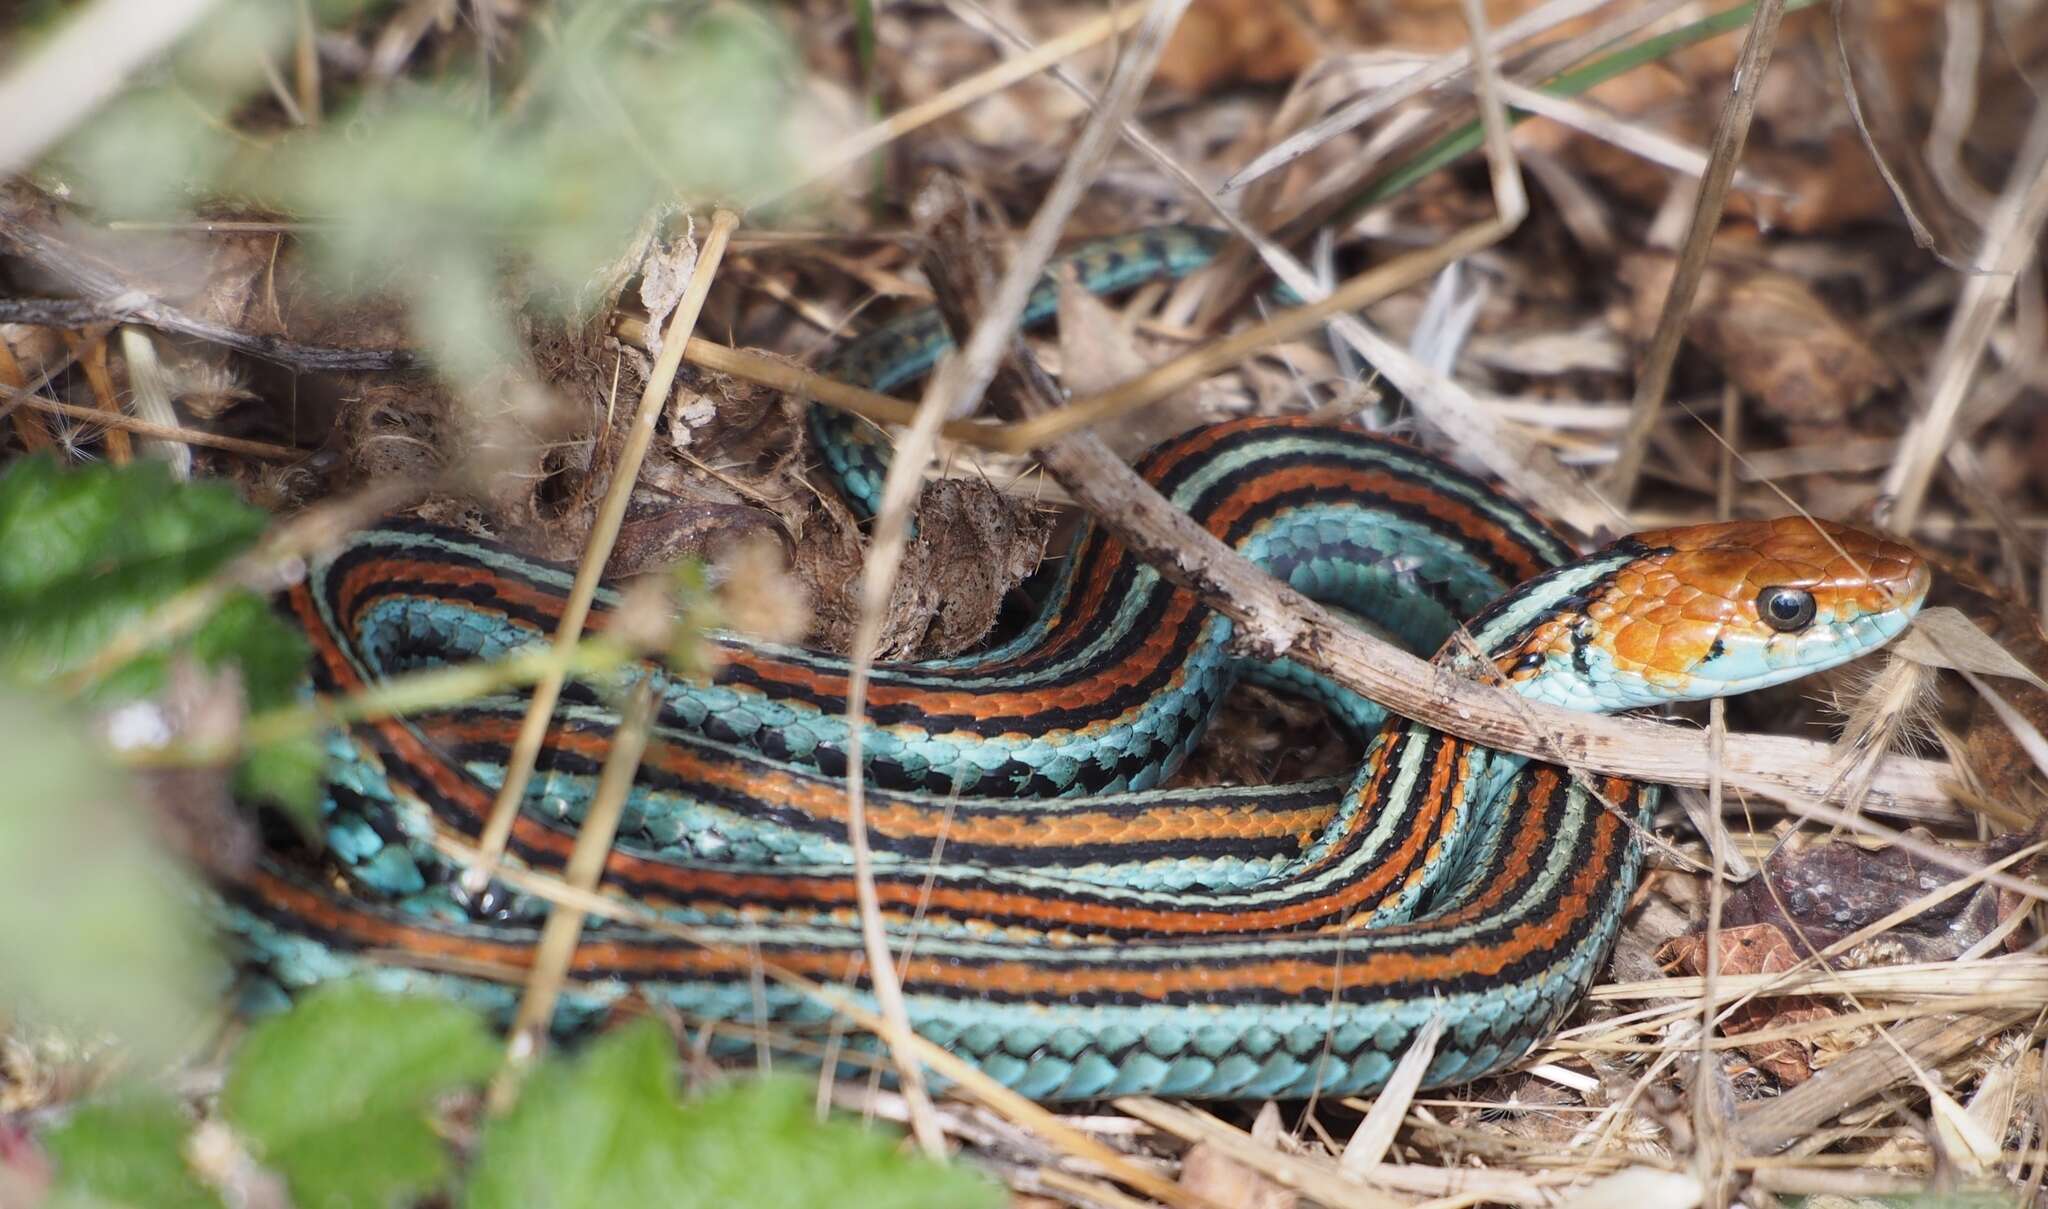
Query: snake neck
{"points": [[1503, 628]]}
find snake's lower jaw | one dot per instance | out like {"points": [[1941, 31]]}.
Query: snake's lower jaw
{"points": [[1856, 620]]}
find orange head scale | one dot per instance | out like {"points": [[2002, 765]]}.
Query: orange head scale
{"points": [[1702, 611]]}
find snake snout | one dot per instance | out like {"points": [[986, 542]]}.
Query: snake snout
{"points": [[1908, 588], [1867, 575]]}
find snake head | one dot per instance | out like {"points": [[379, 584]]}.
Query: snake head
{"points": [[1702, 611]]}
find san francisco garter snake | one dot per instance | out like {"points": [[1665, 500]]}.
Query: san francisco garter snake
{"points": [[1068, 926]]}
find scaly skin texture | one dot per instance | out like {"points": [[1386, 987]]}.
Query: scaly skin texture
{"points": [[1071, 930]]}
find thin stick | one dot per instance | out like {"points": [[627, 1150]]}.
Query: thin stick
{"points": [[34, 437], [958, 387], [89, 349], [1730, 133], [878, 581], [585, 868], [115, 303], [1319, 1177], [1370, 106], [2009, 243], [1772, 765], [1710, 1143], [603, 534], [1771, 1125], [143, 428], [997, 326]]}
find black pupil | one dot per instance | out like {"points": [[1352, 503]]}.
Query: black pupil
{"points": [[1786, 608]]}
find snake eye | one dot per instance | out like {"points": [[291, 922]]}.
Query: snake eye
{"points": [[1785, 609]]}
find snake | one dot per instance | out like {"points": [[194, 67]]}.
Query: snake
{"points": [[1066, 917]]}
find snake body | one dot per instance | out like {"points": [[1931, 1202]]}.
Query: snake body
{"points": [[1066, 924]]}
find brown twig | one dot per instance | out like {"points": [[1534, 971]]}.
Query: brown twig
{"points": [[89, 349], [143, 428], [1771, 1125], [1439, 71], [1730, 133], [957, 387], [981, 84], [132, 306], [585, 868], [604, 534], [2010, 241], [994, 331]]}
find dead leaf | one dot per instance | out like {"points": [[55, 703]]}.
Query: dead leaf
{"points": [[1219, 1179], [664, 276], [973, 545], [1806, 899], [1822, 892], [1946, 638], [1770, 334], [1757, 949], [1226, 41], [1097, 352], [1995, 754]]}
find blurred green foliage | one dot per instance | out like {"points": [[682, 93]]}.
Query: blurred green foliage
{"points": [[105, 934], [337, 1097], [520, 169], [540, 157], [92, 550], [334, 1094], [607, 1129], [129, 1150]]}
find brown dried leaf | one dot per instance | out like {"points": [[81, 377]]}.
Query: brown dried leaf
{"points": [[1757, 949], [973, 545], [664, 278], [1097, 352], [1994, 753], [1770, 334], [1228, 41], [1946, 638], [1214, 1176]]}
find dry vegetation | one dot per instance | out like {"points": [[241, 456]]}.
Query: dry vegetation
{"points": [[1854, 327]]}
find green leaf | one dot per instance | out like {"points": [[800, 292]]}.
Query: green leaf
{"points": [[89, 551], [333, 1094], [128, 1152], [117, 942], [607, 1130], [288, 774], [271, 653]]}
